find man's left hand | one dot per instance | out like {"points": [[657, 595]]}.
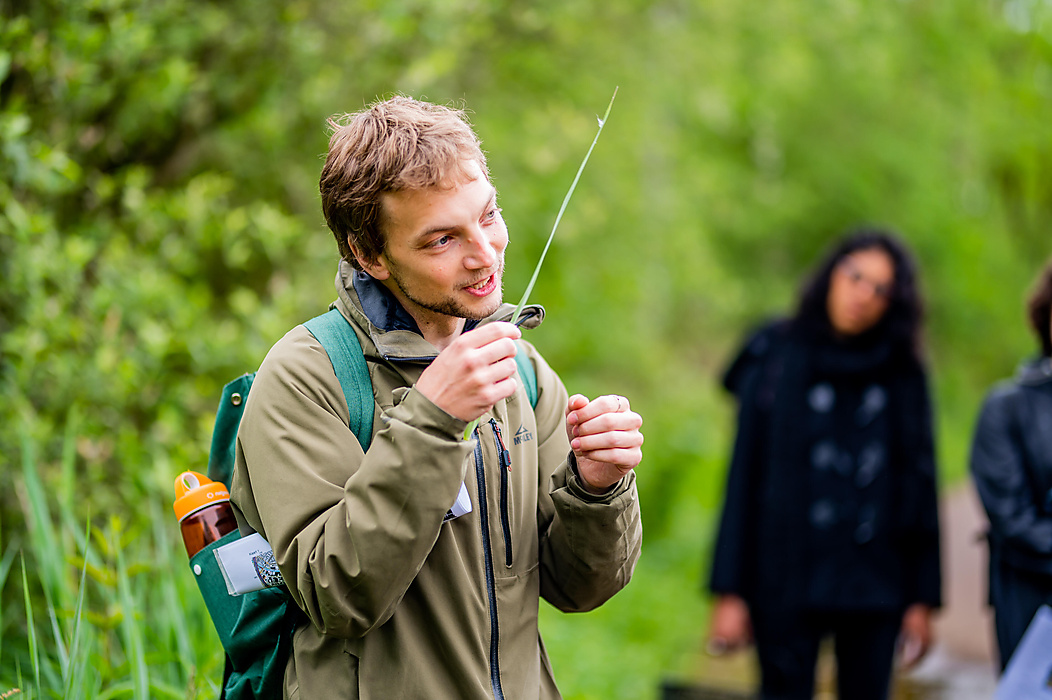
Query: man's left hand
{"points": [[605, 438]]}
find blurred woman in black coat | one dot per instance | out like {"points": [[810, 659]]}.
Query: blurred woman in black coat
{"points": [[830, 523], [1012, 467]]}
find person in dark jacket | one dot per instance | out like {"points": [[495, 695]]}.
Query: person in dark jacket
{"points": [[1011, 463], [830, 522]]}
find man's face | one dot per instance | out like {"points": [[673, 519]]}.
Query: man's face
{"points": [[444, 253]]}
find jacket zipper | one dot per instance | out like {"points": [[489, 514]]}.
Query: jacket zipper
{"points": [[505, 471], [491, 590]]}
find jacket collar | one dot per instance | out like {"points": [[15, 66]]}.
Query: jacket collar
{"points": [[394, 333], [1035, 371]]}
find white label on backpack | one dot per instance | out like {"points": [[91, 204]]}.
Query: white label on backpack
{"points": [[461, 506], [248, 565]]}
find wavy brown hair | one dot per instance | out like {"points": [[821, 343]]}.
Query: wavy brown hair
{"points": [[396, 144], [1039, 309]]}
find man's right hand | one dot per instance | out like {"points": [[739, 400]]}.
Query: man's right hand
{"points": [[731, 625], [474, 372]]}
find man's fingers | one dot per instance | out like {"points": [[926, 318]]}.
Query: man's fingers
{"points": [[610, 404], [497, 371], [606, 423], [624, 460], [612, 447], [576, 403], [498, 390], [474, 372], [494, 352], [607, 439], [488, 333]]}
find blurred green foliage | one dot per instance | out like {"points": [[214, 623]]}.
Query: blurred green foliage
{"points": [[160, 229]]}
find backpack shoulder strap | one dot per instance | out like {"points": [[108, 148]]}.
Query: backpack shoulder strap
{"points": [[336, 336], [527, 373], [224, 434]]}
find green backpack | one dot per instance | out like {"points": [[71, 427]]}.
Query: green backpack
{"points": [[256, 628]]}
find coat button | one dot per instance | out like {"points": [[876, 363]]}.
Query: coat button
{"points": [[824, 455], [870, 463], [864, 532], [823, 514], [235, 399], [821, 397]]}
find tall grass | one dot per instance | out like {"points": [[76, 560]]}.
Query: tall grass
{"points": [[109, 609]]}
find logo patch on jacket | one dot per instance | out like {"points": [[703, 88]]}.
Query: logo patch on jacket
{"points": [[522, 435]]}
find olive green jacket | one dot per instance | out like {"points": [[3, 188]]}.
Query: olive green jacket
{"points": [[403, 603]]}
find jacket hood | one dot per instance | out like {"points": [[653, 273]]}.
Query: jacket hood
{"points": [[395, 335], [1035, 371]]}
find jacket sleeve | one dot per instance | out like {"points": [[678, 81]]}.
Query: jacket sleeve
{"points": [[921, 506], [735, 539], [998, 465], [588, 545], [350, 531]]}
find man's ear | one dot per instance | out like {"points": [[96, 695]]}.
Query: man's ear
{"points": [[377, 269]]}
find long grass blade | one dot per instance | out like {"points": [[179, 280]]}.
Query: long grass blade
{"points": [[558, 218], [43, 540], [566, 200], [5, 569], [30, 627], [20, 682], [133, 639], [176, 624], [60, 642], [8, 559], [67, 487], [72, 673]]}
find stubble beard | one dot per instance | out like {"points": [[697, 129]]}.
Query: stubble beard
{"points": [[449, 306]]}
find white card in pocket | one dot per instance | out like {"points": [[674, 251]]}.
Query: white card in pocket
{"points": [[248, 565], [461, 506]]}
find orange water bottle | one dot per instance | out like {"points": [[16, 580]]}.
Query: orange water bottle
{"points": [[204, 511]]}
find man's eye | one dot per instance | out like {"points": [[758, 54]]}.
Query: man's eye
{"points": [[492, 214], [439, 242]]}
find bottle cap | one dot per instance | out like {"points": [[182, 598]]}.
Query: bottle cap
{"points": [[195, 491]]}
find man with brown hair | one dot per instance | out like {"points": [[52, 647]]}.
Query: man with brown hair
{"points": [[406, 597]]}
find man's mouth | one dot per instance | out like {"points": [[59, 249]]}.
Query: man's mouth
{"points": [[483, 287]]}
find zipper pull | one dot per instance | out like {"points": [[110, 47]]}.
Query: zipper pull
{"points": [[504, 453]]}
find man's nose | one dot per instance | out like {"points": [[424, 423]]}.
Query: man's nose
{"points": [[482, 251]]}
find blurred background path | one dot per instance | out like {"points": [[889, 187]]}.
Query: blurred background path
{"points": [[962, 666]]}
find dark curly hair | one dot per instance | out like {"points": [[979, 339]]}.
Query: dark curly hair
{"points": [[901, 322], [1039, 309]]}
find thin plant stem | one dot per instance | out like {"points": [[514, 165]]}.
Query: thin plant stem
{"points": [[30, 627], [133, 640], [566, 200], [73, 671], [558, 218]]}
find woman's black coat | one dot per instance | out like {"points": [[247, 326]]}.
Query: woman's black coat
{"points": [[766, 549]]}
